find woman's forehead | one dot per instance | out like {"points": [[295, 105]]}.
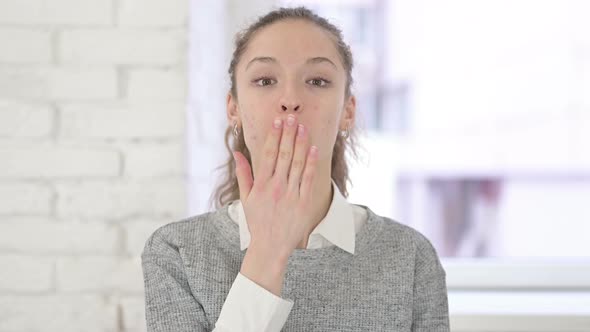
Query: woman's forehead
{"points": [[291, 41]]}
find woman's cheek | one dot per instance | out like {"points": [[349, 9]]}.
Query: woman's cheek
{"points": [[250, 130], [325, 138]]}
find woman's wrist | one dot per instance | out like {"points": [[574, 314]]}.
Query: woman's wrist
{"points": [[264, 267]]}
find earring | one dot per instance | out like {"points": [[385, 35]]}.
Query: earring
{"points": [[236, 131], [345, 133]]}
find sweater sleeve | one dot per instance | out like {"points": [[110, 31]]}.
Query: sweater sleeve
{"points": [[430, 309], [169, 303]]}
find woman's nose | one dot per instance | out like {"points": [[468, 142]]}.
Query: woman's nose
{"points": [[285, 108], [290, 99]]}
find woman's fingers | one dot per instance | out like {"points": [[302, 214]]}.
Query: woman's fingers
{"points": [[269, 151], [286, 149], [285, 156], [244, 175], [299, 157], [306, 187]]}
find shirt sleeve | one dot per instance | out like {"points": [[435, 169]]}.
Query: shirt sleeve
{"points": [[251, 307], [169, 303], [431, 309]]}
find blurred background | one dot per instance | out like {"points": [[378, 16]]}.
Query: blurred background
{"points": [[474, 119]]}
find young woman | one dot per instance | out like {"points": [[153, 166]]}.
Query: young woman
{"points": [[284, 250]]}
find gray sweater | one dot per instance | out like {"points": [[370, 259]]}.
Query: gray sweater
{"points": [[393, 282]]}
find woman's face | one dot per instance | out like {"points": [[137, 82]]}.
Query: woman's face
{"points": [[291, 64]]}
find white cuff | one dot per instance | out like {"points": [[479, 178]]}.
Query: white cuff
{"points": [[251, 307]]}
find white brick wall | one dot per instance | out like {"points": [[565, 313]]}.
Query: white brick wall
{"points": [[147, 120], [99, 274], [58, 12], [154, 13], [25, 274], [59, 312], [57, 83], [39, 161], [59, 238], [156, 84], [25, 46], [20, 120], [121, 46], [92, 156], [27, 198]]}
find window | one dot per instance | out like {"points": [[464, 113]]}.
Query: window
{"points": [[476, 116], [479, 123]]}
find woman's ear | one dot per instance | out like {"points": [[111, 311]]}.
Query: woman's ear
{"points": [[233, 114], [348, 116]]}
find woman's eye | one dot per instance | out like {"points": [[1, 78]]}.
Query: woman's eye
{"points": [[320, 82], [264, 81]]}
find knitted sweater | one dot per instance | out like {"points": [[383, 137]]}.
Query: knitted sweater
{"points": [[393, 282]]}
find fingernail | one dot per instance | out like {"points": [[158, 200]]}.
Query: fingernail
{"points": [[290, 120], [277, 123], [300, 130]]}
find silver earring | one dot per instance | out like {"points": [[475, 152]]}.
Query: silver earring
{"points": [[236, 131], [345, 133]]}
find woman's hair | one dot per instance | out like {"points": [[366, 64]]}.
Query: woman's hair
{"points": [[228, 190]]}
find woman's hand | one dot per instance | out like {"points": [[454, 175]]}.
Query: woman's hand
{"points": [[277, 201]]}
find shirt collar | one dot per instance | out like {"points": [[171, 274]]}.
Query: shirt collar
{"points": [[337, 226]]}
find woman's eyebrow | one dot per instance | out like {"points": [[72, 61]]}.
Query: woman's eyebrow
{"points": [[265, 59], [268, 59], [320, 59]]}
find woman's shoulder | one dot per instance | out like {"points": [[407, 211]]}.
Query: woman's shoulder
{"points": [[391, 225], [179, 233], [406, 235]]}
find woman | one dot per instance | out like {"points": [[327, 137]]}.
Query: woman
{"points": [[285, 251]]}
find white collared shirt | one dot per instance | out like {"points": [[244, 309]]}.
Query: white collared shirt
{"points": [[250, 307], [339, 226]]}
